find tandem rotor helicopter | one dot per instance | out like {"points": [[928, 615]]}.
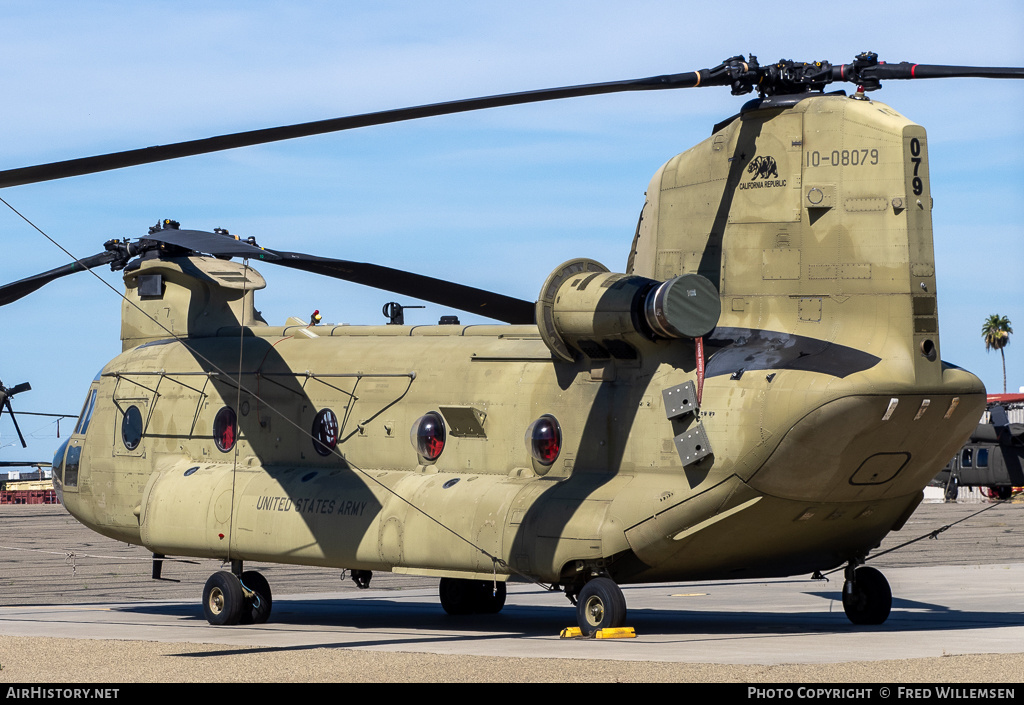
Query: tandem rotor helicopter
{"points": [[759, 394]]}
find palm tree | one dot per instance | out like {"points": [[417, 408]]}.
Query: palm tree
{"points": [[996, 333]]}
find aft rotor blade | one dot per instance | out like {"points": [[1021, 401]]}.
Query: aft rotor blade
{"points": [[15, 290], [868, 72], [148, 155], [438, 291], [742, 74], [905, 70]]}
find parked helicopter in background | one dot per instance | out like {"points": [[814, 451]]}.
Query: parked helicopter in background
{"points": [[6, 393], [993, 457], [759, 394], [19, 486]]}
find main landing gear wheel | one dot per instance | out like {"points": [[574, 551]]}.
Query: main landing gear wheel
{"points": [[600, 605], [459, 596], [493, 598], [867, 599], [223, 599], [256, 609]]}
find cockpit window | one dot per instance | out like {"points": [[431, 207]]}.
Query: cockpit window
{"points": [[58, 461], [83, 419], [71, 466], [967, 458]]}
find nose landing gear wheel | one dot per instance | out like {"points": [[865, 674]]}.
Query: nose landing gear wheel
{"points": [[867, 599], [600, 605], [223, 599]]}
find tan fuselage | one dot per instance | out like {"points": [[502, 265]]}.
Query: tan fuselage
{"points": [[824, 412], [817, 475]]}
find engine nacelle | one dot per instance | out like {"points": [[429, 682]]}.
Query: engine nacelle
{"points": [[586, 308]]}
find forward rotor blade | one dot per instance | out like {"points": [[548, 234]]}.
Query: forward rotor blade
{"points": [[438, 291], [15, 290], [148, 155], [216, 244]]}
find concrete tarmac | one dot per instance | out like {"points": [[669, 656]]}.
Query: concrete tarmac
{"points": [[76, 607]]}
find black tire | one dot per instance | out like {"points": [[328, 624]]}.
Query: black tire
{"points": [[257, 608], [867, 599], [492, 597], [223, 599], [1002, 492], [458, 596], [600, 605]]}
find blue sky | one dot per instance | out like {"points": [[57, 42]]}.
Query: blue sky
{"points": [[493, 199]]}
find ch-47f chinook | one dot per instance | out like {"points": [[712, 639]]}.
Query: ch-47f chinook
{"points": [[759, 394]]}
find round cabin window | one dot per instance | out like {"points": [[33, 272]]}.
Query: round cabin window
{"points": [[428, 436], [131, 428], [325, 432], [544, 439], [225, 427]]}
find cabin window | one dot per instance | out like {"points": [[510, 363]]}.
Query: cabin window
{"points": [[982, 457], [325, 432], [131, 428], [83, 419], [544, 439], [967, 458], [428, 436], [225, 428]]}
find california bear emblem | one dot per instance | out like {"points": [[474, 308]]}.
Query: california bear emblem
{"points": [[763, 168]]}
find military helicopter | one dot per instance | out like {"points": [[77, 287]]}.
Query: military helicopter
{"points": [[992, 457], [5, 403], [760, 394]]}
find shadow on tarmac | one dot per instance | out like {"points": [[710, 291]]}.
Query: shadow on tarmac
{"points": [[395, 616]]}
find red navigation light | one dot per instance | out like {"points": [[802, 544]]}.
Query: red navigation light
{"points": [[544, 439], [428, 435]]}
